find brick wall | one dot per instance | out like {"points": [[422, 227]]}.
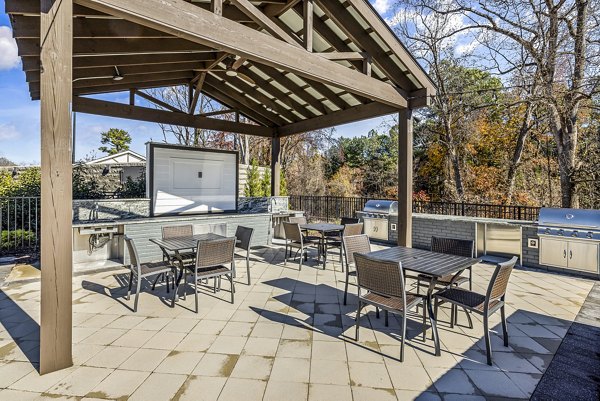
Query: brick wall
{"points": [[425, 227]]}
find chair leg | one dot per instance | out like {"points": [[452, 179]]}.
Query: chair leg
{"points": [[130, 283], [377, 312], [196, 290], [435, 313], [468, 317], [167, 278], [215, 285], [301, 256], [138, 286], [156, 280], [248, 267], [402, 341], [504, 326], [488, 343], [358, 318], [232, 289], [424, 320], [285, 255], [387, 322], [452, 315], [346, 290], [418, 286], [184, 284]]}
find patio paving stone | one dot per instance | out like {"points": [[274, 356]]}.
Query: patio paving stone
{"points": [[287, 337]]}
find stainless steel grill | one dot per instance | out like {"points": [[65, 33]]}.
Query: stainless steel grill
{"points": [[380, 218], [570, 239]]}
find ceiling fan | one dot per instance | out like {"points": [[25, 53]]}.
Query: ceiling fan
{"points": [[117, 76], [231, 69]]}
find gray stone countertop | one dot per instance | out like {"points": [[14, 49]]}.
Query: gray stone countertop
{"points": [[475, 219], [141, 220]]}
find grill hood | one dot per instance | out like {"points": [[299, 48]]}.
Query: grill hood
{"points": [[381, 207], [583, 219]]}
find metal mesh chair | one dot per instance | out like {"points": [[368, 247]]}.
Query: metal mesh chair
{"points": [[295, 239], [297, 220], [451, 246], [385, 289], [184, 231], [244, 237], [141, 270], [353, 244], [335, 240], [212, 259], [484, 305]]}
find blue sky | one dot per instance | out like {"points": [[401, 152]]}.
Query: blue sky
{"points": [[20, 116]]}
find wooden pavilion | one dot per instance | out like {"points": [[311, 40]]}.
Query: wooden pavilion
{"points": [[289, 66]]}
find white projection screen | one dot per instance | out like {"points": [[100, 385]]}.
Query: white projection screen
{"points": [[187, 180]]}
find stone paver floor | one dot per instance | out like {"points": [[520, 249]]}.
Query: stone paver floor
{"points": [[287, 337]]}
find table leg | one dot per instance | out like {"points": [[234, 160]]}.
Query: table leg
{"points": [[432, 317], [177, 283], [324, 250]]}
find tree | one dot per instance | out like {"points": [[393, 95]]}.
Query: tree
{"points": [[6, 162], [559, 41], [265, 183], [253, 182], [117, 139], [282, 184]]}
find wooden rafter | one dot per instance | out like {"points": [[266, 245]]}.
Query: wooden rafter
{"points": [[157, 102], [275, 10], [264, 21], [197, 25], [119, 110], [356, 113]]}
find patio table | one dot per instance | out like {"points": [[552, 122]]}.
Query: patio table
{"points": [[433, 264], [322, 229], [179, 245]]}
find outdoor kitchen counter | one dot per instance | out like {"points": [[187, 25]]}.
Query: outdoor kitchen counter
{"points": [[163, 219], [474, 219]]}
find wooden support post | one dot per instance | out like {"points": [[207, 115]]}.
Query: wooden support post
{"points": [[307, 31], [275, 166], [368, 65], [216, 6], [405, 177], [132, 97], [56, 211]]}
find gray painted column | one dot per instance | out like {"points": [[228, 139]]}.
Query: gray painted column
{"points": [[405, 177]]}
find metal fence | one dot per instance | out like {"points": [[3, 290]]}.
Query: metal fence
{"points": [[336, 207], [19, 223]]}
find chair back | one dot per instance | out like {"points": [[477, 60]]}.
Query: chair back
{"points": [[453, 246], [348, 220], [353, 229], [499, 281], [169, 232], [380, 277], [297, 220], [133, 254], [354, 244], [215, 252], [244, 235], [292, 231]]}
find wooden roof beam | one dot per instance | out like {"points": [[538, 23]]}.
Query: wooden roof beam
{"points": [[356, 113], [32, 63], [248, 103], [156, 101], [197, 25], [97, 47], [275, 10], [226, 101], [342, 17], [264, 21], [119, 110]]}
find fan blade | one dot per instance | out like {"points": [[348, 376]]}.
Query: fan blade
{"points": [[246, 78], [88, 78]]}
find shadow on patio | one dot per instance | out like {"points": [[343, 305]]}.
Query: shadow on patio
{"points": [[24, 331]]}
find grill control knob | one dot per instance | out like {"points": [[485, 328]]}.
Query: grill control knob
{"points": [[561, 232], [547, 231], [574, 234], [590, 235]]}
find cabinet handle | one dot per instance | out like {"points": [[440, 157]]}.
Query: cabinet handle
{"points": [[565, 254], [570, 254]]}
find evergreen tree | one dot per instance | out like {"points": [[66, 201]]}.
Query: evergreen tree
{"points": [[265, 183], [253, 182], [118, 139], [282, 184]]}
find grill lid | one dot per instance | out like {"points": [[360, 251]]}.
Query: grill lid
{"points": [[585, 219], [381, 206]]}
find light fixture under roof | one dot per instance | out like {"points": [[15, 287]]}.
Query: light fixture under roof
{"points": [[117, 76]]}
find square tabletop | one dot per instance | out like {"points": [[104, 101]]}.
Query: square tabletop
{"points": [[322, 227], [184, 243], [426, 262]]}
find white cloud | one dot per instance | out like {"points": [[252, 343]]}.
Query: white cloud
{"points": [[9, 56], [8, 132], [382, 5]]}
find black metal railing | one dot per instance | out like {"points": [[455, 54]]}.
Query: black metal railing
{"points": [[329, 208], [19, 224]]}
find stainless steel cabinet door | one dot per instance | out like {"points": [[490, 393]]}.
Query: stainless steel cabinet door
{"points": [[583, 256], [553, 252]]}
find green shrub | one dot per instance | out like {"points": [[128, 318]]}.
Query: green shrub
{"points": [[14, 239]]}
